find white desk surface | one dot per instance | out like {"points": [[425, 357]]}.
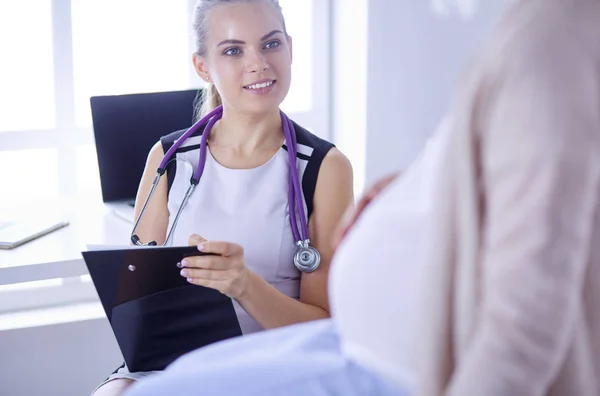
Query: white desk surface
{"points": [[58, 254]]}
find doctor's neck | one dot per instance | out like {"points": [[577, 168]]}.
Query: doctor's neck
{"points": [[245, 133]]}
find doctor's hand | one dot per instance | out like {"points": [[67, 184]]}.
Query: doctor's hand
{"points": [[223, 271], [353, 213]]}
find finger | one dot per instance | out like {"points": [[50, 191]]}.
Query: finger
{"points": [[195, 240], [357, 212], [383, 183], [225, 249], [373, 192], [204, 274], [208, 262], [349, 218], [352, 215], [212, 284], [362, 204]]}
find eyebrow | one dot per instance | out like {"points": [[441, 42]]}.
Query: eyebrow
{"points": [[268, 35], [240, 42]]}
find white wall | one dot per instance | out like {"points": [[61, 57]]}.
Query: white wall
{"points": [[408, 68], [396, 65]]}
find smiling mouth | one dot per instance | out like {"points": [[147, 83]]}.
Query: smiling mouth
{"points": [[261, 85]]}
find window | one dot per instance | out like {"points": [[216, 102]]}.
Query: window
{"points": [[88, 174], [308, 101], [128, 47], [299, 16], [26, 165], [65, 51], [27, 78]]}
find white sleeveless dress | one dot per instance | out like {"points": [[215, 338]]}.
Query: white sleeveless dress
{"points": [[245, 206]]}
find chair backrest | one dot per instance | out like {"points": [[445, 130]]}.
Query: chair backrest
{"points": [[125, 129]]}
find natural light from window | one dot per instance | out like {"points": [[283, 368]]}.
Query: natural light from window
{"points": [[27, 77], [147, 49], [33, 174], [128, 46], [299, 17]]}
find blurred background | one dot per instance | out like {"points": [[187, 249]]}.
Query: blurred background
{"points": [[373, 76]]}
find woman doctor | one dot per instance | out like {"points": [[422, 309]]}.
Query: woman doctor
{"points": [[239, 210]]}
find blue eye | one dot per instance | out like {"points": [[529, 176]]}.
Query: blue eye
{"points": [[272, 44], [232, 51]]}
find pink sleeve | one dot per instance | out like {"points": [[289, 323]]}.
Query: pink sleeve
{"points": [[540, 173]]}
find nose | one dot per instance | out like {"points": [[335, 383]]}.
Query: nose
{"points": [[257, 62]]}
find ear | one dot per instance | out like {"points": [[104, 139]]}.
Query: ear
{"points": [[200, 67]]}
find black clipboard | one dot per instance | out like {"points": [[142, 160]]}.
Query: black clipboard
{"points": [[155, 314]]}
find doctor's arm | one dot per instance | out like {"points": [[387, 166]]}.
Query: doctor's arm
{"points": [[541, 178], [154, 223], [333, 194]]}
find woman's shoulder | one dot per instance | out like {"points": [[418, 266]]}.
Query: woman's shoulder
{"points": [[319, 151], [168, 140], [309, 143], [173, 136]]}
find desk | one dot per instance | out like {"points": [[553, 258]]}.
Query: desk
{"points": [[58, 254]]}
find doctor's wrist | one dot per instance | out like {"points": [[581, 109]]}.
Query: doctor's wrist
{"points": [[248, 280], [241, 284]]}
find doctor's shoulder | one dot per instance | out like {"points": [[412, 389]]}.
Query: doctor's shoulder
{"points": [[153, 225], [153, 161], [160, 149], [329, 170], [156, 155]]}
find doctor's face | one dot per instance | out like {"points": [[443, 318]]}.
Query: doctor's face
{"points": [[248, 56]]}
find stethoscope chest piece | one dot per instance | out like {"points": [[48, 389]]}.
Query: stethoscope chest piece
{"points": [[307, 258]]}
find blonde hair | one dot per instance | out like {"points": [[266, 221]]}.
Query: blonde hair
{"points": [[211, 97], [207, 100]]}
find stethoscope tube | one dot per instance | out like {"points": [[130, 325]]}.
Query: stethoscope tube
{"points": [[307, 258]]}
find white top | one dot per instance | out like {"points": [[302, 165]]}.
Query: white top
{"points": [[375, 280], [244, 206]]}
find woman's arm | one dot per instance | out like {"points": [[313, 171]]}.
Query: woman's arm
{"points": [[333, 194], [154, 223], [541, 179]]}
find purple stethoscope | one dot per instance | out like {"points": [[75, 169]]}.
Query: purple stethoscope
{"points": [[307, 258]]}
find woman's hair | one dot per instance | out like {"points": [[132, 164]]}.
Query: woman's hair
{"points": [[200, 24]]}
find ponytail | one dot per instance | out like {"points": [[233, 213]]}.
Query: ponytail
{"points": [[211, 100]]}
